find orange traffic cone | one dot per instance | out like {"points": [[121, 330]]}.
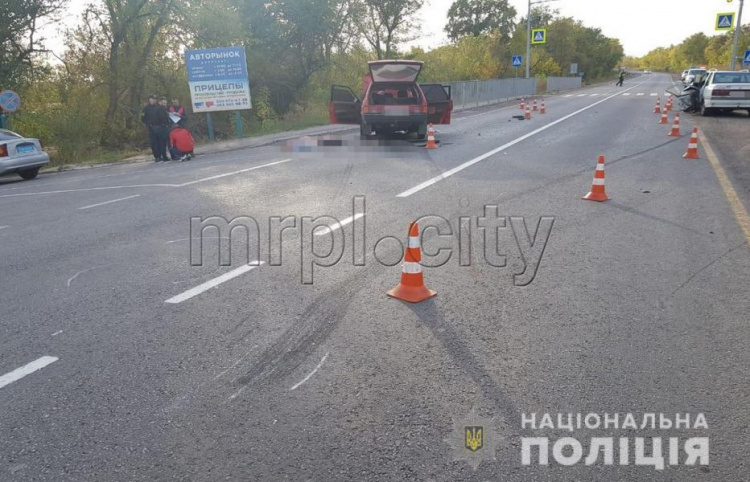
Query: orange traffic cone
{"points": [[542, 109], [657, 107], [664, 118], [675, 132], [523, 104], [669, 103], [412, 287], [527, 114], [597, 187], [692, 151], [535, 109], [431, 137]]}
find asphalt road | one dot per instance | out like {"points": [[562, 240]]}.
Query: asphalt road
{"points": [[162, 370]]}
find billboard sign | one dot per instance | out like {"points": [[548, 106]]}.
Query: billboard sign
{"points": [[218, 79]]}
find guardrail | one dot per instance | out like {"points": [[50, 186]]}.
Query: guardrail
{"points": [[476, 93], [556, 84]]}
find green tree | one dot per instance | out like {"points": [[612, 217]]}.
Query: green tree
{"points": [[386, 23], [476, 17], [19, 36]]}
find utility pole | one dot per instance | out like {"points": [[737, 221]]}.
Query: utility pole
{"points": [[528, 39], [737, 30]]}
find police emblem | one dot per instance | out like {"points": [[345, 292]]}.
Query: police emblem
{"points": [[473, 439]]}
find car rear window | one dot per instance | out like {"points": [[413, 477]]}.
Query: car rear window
{"points": [[6, 135], [732, 78], [394, 94]]}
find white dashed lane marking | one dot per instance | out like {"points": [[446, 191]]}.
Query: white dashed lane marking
{"points": [[28, 369]]}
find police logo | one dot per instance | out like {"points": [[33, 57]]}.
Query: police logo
{"points": [[474, 437]]}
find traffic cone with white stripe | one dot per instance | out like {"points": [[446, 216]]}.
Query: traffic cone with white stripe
{"points": [[542, 110], [535, 109], [657, 107], [431, 137], [692, 151], [527, 114], [412, 287], [675, 132], [669, 103], [597, 192], [523, 104], [664, 117]]}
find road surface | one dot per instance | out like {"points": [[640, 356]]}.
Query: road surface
{"points": [[121, 360]]}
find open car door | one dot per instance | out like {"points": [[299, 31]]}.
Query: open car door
{"points": [[345, 106], [439, 103]]}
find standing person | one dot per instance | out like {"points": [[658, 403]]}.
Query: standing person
{"points": [[156, 120], [181, 144], [177, 109], [622, 78]]}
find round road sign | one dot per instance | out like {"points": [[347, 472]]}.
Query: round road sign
{"points": [[9, 101]]}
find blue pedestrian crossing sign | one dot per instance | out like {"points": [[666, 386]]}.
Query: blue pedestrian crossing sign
{"points": [[725, 21], [747, 57], [539, 36], [517, 60]]}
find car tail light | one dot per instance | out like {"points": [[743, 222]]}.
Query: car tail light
{"points": [[373, 109], [719, 93], [3, 150]]}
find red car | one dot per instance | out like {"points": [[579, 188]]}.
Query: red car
{"points": [[393, 101]]}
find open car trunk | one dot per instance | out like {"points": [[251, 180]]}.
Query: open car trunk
{"points": [[395, 70]]}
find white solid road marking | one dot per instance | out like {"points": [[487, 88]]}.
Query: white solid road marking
{"points": [[321, 230], [19, 373], [214, 282], [109, 202], [219, 176], [484, 156], [312, 373]]}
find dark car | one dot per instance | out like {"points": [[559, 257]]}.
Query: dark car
{"points": [[393, 101]]}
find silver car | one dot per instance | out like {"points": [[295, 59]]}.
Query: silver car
{"points": [[21, 155]]}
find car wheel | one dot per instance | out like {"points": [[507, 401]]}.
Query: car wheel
{"points": [[705, 111], [29, 173], [422, 132]]}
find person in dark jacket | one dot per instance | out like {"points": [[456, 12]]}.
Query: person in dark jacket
{"points": [[621, 79], [156, 119]]}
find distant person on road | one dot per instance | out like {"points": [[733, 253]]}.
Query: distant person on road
{"points": [[181, 144], [621, 79], [156, 120], [178, 109]]}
